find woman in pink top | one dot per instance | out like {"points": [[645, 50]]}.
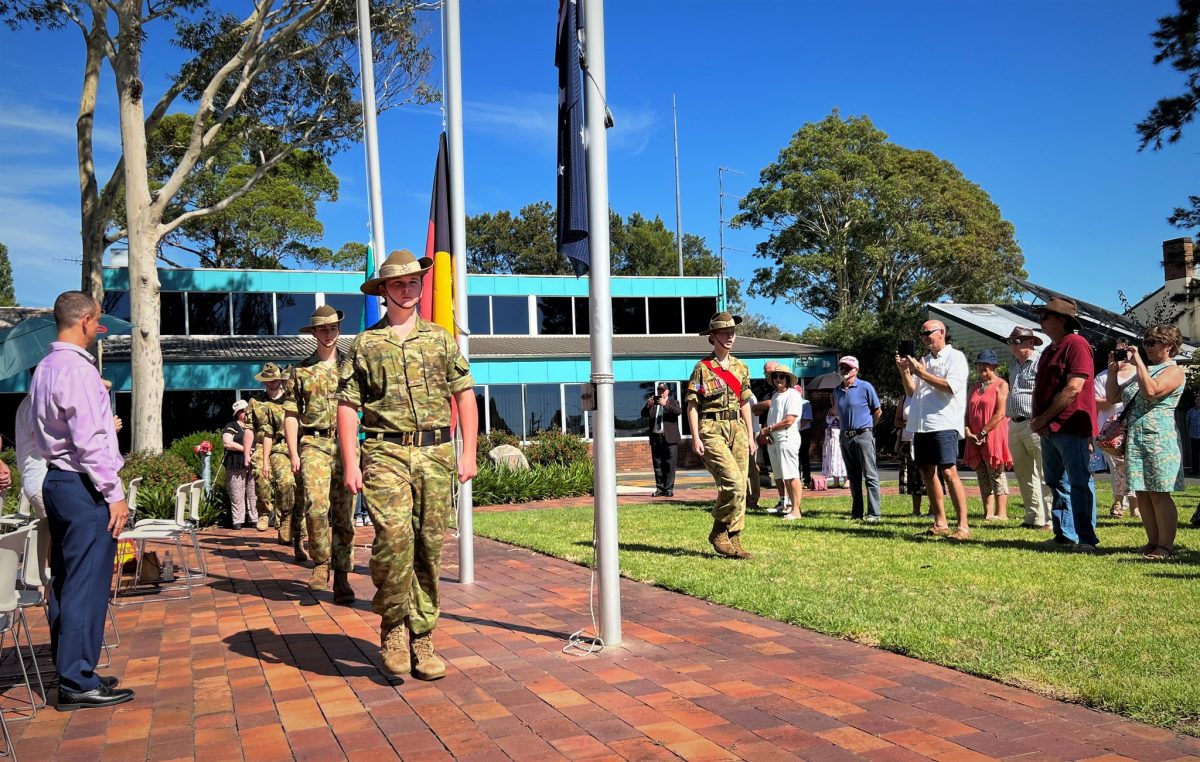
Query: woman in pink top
{"points": [[987, 436]]}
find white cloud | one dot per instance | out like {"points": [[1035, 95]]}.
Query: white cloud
{"points": [[40, 237], [18, 121], [533, 117]]}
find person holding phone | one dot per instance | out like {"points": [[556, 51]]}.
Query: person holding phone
{"points": [[663, 412], [1105, 412]]}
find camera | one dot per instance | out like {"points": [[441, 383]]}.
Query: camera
{"points": [[906, 348], [1120, 354]]}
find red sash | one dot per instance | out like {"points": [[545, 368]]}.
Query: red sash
{"points": [[730, 380]]}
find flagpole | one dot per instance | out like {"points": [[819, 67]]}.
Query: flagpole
{"points": [[603, 444], [458, 248], [678, 205], [370, 129]]}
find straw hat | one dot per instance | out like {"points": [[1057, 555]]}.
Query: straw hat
{"points": [[270, 372], [719, 321], [323, 315], [779, 367], [398, 264]]}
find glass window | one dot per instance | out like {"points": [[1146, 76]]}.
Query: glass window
{"points": [[554, 315], [479, 321], [252, 315], [352, 307], [543, 408], [629, 315], [293, 311], [576, 418], [208, 314], [187, 412], [510, 315], [583, 315], [697, 311], [629, 398], [116, 303], [505, 408], [665, 315], [171, 314]]}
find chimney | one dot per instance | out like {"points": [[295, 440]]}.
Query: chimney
{"points": [[1178, 259]]}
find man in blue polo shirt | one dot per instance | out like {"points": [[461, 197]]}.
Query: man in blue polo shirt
{"points": [[858, 410]]}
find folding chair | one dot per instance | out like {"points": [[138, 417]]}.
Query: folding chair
{"points": [[9, 614], [187, 520], [23, 516], [15, 543], [167, 533]]}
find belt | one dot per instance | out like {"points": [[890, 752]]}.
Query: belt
{"points": [[724, 415], [320, 432], [412, 438], [1020, 419], [852, 433]]}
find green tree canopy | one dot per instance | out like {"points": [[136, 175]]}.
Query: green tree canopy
{"points": [[8, 297], [858, 224], [1177, 40]]}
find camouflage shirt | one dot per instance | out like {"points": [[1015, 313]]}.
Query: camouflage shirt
{"points": [[712, 395], [404, 385], [266, 418], [312, 392]]}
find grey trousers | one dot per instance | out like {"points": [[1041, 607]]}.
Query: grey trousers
{"points": [[859, 454]]}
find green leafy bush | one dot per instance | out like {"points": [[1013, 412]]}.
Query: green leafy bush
{"points": [[497, 486], [161, 473], [490, 441], [553, 446], [185, 448], [13, 498]]}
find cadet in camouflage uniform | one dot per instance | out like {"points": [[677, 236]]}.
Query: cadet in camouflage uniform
{"points": [[310, 405], [253, 460], [718, 407], [402, 373], [274, 470]]}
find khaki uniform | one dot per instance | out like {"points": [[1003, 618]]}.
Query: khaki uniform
{"points": [[281, 485], [401, 388], [726, 449], [328, 505]]}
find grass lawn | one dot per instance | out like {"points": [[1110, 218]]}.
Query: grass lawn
{"points": [[1111, 630]]}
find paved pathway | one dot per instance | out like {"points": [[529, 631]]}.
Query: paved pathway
{"points": [[255, 667]]}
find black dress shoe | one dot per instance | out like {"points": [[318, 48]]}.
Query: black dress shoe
{"points": [[110, 681], [669, 493], [658, 493], [98, 697]]}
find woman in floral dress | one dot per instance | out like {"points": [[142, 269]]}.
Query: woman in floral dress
{"points": [[1152, 455]]}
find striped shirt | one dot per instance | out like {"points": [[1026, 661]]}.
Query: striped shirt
{"points": [[1020, 387]]}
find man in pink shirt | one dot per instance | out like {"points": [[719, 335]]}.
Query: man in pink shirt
{"points": [[85, 501]]}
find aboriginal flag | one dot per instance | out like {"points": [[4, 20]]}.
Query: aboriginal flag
{"points": [[437, 297]]}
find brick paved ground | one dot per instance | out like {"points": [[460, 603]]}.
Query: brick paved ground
{"points": [[255, 667]]}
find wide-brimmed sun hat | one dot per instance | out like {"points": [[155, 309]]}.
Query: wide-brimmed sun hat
{"points": [[322, 316], [270, 372], [1021, 332], [779, 367], [719, 321], [1064, 308], [398, 264]]}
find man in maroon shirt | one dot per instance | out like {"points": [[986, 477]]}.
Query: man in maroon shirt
{"points": [[1064, 414]]}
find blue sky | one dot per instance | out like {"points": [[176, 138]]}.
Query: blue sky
{"points": [[1035, 101]]}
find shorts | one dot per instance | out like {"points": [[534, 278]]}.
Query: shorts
{"points": [[935, 448], [785, 460]]}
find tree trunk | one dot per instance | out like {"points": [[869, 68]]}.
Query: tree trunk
{"points": [[91, 228], [142, 226]]}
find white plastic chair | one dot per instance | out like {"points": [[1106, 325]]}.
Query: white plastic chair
{"points": [[9, 615], [187, 520], [15, 542], [23, 516], [158, 531]]}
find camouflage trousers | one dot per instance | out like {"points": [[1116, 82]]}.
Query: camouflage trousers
{"points": [[727, 458], [328, 505], [283, 493], [408, 494]]}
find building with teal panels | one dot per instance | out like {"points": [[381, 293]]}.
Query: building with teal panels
{"points": [[529, 344]]}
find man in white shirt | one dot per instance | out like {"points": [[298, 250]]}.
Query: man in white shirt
{"points": [[938, 386]]}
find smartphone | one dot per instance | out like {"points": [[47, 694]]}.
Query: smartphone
{"points": [[906, 348], [1121, 355]]}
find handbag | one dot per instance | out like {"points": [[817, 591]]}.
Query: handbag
{"points": [[1112, 437]]}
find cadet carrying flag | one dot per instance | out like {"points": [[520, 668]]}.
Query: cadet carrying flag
{"points": [[437, 294], [572, 160]]}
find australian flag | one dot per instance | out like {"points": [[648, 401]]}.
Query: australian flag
{"points": [[572, 159]]}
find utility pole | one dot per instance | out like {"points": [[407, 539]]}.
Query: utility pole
{"points": [[721, 225]]}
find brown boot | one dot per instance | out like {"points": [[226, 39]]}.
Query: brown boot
{"points": [[735, 539], [719, 537], [263, 523], [320, 577], [426, 665], [342, 592], [285, 532], [301, 556], [393, 647]]}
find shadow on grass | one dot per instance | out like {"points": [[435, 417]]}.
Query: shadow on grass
{"points": [[332, 655], [638, 547]]}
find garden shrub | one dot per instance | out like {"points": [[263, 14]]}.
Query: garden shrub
{"points": [[185, 448], [13, 498], [493, 440], [496, 486], [161, 473], [553, 446]]}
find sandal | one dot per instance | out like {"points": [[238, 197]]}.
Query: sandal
{"points": [[1117, 511], [960, 535], [1159, 554], [936, 531]]}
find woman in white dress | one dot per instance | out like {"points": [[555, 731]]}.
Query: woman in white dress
{"points": [[782, 435], [832, 465]]}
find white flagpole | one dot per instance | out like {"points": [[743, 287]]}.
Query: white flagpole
{"points": [[452, 50], [603, 430], [366, 55]]}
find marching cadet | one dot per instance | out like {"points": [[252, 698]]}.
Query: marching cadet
{"points": [[402, 374], [273, 472], [718, 400], [310, 405], [252, 459]]}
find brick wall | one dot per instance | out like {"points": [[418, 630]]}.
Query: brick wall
{"points": [[1178, 259]]}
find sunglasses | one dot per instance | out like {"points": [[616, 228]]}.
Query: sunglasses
{"points": [[1152, 343], [846, 368], [1014, 342], [778, 375], [931, 331]]}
